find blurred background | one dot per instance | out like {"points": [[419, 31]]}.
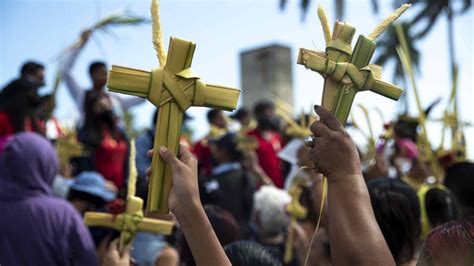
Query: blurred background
{"points": [[227, 31]]}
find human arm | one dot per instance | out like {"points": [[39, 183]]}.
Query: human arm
{"points": [[184, 202], [354, 235], [127, 101], [76, 91], [252, 165]]}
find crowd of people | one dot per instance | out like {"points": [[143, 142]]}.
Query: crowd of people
{"points": [[231, 189]]}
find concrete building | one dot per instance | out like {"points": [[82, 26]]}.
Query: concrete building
{"points": [[266, 72]]}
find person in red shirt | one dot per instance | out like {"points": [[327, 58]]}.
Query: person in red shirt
{"points": [[201, 149], [269, 141], [107, 142], [19, 102]]}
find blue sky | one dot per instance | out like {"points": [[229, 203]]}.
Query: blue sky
{"points": [[40, 29]]}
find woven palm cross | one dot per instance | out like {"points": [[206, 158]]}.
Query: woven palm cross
{"points": [[347, 71]]}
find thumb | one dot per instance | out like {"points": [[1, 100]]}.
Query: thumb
{"points": [[126, 252], [169, 157], [113, 245]]}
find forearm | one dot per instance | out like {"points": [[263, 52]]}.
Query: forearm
{"points": [[66, 72], [355, 237], [128, 102], [200, 236], [260, 173]]}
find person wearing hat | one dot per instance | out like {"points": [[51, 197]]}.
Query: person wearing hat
{"points": [[90, 191]]}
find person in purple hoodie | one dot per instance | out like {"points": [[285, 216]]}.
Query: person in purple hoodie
{"points": [[35, 227]]}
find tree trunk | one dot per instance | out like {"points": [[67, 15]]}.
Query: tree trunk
{"points": [[452, 57]]}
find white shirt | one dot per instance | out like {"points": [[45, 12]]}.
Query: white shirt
{"points": [[120, 102]]}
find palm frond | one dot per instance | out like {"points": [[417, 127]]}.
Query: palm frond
{"points": [[432, 10], [104, 25], [304, 8], [375, 6], [282, 4], [387, 54], [123, 18]]}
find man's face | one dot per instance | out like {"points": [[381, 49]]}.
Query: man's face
{"points": [[99, 76], [39, 77]]}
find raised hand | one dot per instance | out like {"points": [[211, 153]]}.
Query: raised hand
{"points": [[333, 153], [185, 189]]}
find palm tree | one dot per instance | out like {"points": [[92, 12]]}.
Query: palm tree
{"points": [[387, 53], [340, 7], [430, 13]]}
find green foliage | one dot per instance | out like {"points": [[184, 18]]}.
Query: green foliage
{"points": [[387, 52], [432, 10]]}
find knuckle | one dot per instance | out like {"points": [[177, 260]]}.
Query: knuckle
{"points": [[333, 136]]}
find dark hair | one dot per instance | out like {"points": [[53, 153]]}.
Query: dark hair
{"points": [[94, 200], [460, 180], [30, 68], [20, 100], [228, 143], [91, 133], [224, 225], [240, 114], [397, 211], [96, 65], [449, 244], [212, 115], [242, 253], [441, 207], [261, 106]]}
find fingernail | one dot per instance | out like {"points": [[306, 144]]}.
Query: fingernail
{"points": [[316, 107], [163, 149]]}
